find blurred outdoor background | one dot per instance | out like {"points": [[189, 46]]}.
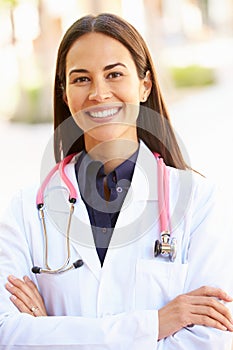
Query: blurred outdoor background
{"points": [[192, 45]]}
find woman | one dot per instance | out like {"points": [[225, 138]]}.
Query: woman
{"points": [[120, 296]]}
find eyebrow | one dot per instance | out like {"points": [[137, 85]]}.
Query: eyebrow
{"points": [[110, 66]]}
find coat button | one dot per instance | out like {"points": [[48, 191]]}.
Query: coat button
{"points": [[119, 189]]}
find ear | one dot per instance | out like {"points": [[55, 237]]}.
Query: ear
{"points": [[146, 85], [64, 97]]}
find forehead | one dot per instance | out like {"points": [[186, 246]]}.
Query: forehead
{"points": [[95, 49]]}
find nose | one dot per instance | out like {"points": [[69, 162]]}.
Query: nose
{"points": [[100, 91]]}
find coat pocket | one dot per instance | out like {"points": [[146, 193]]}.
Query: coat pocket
{"points": [[158, 282]]}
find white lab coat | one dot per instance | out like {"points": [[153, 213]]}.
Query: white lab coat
{"points": [[114, 307]]}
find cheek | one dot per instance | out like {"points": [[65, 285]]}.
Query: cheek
{"points": [[75, 101], [131, 113], [79, 120], [131, 93]]}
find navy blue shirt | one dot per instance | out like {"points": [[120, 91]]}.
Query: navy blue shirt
{"points": [[103, 213]]}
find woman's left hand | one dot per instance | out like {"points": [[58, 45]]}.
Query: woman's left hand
{"points": [[25, 296]]}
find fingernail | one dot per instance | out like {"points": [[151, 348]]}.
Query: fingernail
{"points": [[13, 297], [228, 295], [12, 277], [26, 279], [9, 285]]}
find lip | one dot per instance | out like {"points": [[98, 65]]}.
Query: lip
{"points": [[103, 114]]}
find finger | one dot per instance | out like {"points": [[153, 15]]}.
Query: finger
{"points": [[204, 320], [19, 298], [38, 297], [211, 292], [212, 308], [210, 314], [24, 301], [213, 304], [20, 305], [27, 292], [21, 286], [18, 292], [32, 287], [34, 311]]}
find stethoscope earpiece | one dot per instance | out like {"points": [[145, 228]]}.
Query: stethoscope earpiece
{"points": [[75, 265]]}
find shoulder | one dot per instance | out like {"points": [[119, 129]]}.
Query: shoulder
{"points": [[193, 178], [183, 183], [22, 196], [192, 188], [20, 209]]}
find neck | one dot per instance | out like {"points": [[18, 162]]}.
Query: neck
{"points": [[112, 153]]}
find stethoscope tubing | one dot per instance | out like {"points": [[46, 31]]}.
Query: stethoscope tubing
{"points": [[163, 247], [163, 194]]}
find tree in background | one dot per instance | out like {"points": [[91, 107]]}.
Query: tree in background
{"points": [[34, 58]]}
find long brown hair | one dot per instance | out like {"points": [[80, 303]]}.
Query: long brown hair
{"points": [[153, 123]]}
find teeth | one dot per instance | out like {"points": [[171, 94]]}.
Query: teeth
{"points": [[104, 114]]}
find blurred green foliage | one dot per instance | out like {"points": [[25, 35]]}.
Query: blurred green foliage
{"points": [[12, 3], [30, 107], [192, 75]]}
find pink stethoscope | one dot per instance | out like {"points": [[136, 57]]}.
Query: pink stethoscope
{"points": [[166, 246]]}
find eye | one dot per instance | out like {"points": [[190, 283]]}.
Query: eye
{"points": [[80, 80], [114, 75]]}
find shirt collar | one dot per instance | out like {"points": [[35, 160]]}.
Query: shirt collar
{"points": [[125, 170], [87, 169], [144, 180]]}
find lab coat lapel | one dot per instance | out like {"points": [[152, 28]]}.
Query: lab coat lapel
{"points": [[138, 213], [81, 232]]}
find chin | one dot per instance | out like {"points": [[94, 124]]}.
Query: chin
{"points": [[110, 132]]}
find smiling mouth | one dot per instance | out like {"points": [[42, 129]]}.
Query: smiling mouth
{"points": [[105, 113]]}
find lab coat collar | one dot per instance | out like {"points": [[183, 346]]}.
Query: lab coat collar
{"points": [[144, 181]]}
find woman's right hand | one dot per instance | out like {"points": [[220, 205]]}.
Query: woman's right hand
{"points": [[25, 296], [202, 306]]}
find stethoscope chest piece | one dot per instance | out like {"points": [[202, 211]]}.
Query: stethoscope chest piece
{"points": [[166, 247]]}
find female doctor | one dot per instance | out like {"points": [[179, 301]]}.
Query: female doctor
{"points": [[84, 261]]}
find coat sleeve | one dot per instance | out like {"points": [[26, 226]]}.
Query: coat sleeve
{"points": [[135, 330], [210, 261]]}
